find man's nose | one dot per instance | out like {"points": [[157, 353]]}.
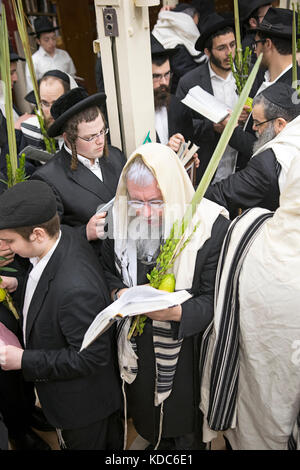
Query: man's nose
{"points": [[146, 211]]}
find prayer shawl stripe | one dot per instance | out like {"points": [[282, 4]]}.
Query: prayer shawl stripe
{"points": [[225, 364], [163, 345]]}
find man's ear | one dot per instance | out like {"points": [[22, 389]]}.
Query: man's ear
{"points": [[253, 23], [279, 124], [38, 234], [207, 52]]}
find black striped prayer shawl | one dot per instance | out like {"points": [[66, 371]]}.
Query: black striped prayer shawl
{"points": [[225, 363]]}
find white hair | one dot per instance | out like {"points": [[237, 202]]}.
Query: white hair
{"points": [[139, 173]]}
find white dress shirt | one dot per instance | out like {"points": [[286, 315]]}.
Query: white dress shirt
{"points": [[43, 62], [33, 279], [225, 91], [94, 168], [162, 125]]}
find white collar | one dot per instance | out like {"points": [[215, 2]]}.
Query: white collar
{"points": [[267, 74], [85, 161], [212, 74], [40, 264]]}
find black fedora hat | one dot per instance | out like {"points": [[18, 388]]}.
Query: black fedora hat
{"points": [[278, 22], [30, 97], [13, 56], [158, 50], [42, 24], [211, 24], [70, 104], [247, 7]]}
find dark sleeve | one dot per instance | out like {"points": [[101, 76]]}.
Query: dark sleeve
{"points": [[197, 312], [248, 187], [76, 313], [59, 203], [113, 279], [243, 141]]}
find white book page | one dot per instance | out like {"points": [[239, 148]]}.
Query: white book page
{"points": [[206, 104], [135, 301]]}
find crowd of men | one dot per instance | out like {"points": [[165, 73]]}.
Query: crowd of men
{"points": [[225, 359]]}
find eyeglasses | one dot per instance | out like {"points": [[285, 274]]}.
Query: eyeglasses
{"points": [[254, 44], [258, 124], [94, 137], [157, 77], [155, 204]]}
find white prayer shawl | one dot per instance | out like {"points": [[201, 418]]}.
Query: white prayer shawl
{"points": [[177, 191], [268, 397], [175, 28], [286, 146]]}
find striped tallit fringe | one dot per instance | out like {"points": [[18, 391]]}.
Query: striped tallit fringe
{"points": [[294, 439], [225, 364], [166, 351]]}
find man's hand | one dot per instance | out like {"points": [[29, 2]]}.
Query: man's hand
{"points": [[120, 292], [95, 227], [10, 357], [196, 160], [9, 283], [5, 252], [220, 126], [22, 118], [175, 141], [244, 114], [167, 314]]}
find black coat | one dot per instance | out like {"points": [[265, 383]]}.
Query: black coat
{"points": [[75, 388], [254, 186], [79, 192], [204, 134], [243, 140], [182, 406], [179, 120]]}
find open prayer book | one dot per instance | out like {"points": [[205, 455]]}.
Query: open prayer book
{"points": [[206, 104], [135, 301], [186, 156]]}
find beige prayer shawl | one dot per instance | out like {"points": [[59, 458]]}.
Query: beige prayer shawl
{"points": [[268, 397], [177, 191]]}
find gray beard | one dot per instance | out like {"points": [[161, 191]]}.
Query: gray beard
{"points": [[148, 241], [267, 135]]}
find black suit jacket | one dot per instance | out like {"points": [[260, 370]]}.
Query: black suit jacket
{"points": [[75, 388], [254, 186], [79, 192], [204, 134], [179, 120]]}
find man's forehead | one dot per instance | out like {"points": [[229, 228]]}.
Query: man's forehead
{"points": [[223, 39], [258, 111]]}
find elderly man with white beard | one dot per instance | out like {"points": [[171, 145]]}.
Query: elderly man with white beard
{"points": [[159, 368], [277, 124]]}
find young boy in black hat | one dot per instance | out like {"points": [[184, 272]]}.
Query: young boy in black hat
{"points": [[48, 56], [79, 391], [85, 173]]}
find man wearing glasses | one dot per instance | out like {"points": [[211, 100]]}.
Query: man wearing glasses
{"points": [[84, 173], [251, 15], [276, 124], [173, 120], [217, 41], [274, 40]]}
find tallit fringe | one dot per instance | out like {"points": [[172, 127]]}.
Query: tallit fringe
{"points": [[125, 414], [161, 417], [61, 439]]}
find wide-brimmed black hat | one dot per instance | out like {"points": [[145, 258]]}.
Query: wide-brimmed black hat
{"points": [[13, 56], [278, 22], [30, 97], [158, 50], [247, 7], [210, 25], [71, 103], [42, 24]]}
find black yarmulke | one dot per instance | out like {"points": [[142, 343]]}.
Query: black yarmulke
{"points": [[27, 204], [282, 95]]}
